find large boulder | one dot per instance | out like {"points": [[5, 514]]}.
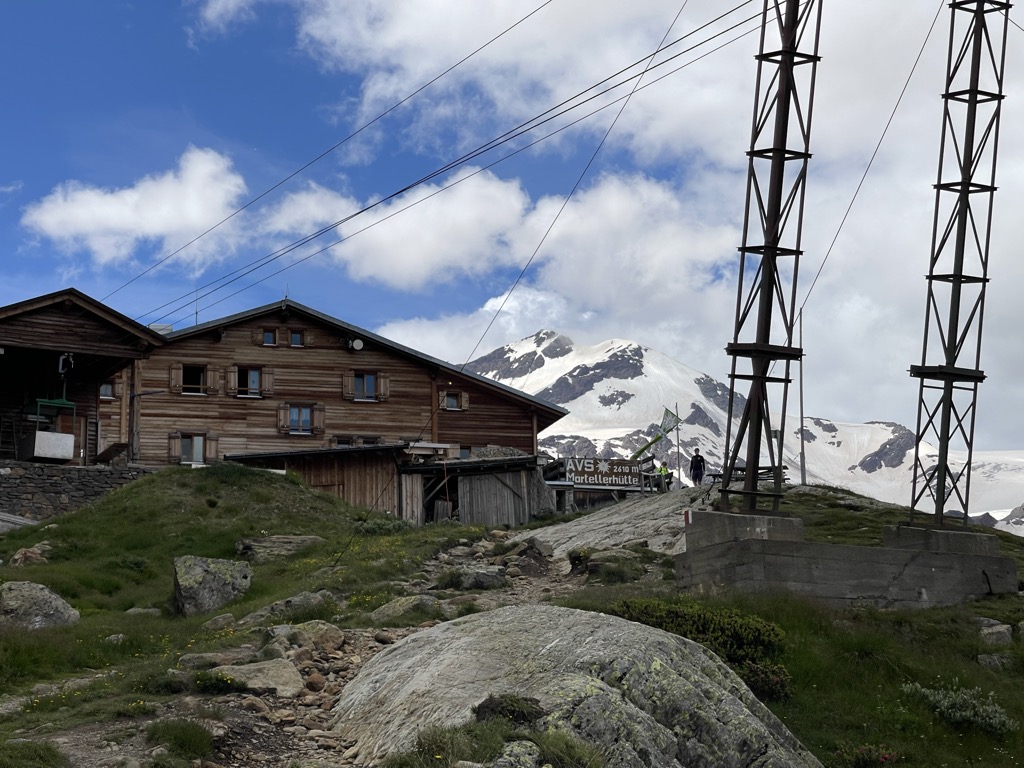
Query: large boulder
{"points": [[25, 605], [204, 584], [645, 696]]}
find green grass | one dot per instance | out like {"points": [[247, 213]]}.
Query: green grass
{"points": [[846, 698]]}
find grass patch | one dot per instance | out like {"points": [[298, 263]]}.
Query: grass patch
{"points": [[845, 682], [182, 738], [27, 754]]}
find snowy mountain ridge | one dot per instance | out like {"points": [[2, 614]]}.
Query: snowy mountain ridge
{"points": [[616, 392]]}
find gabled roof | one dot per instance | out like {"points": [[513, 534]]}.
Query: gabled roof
{"points": [[88, 305], [348, 330]]}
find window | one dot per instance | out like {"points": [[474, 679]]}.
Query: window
{"points": [[248, 382], [269, 337], [193, 379], [300, 419], [453, 401], [107, 390], [365, 386], [295, 339], [192, 449]]}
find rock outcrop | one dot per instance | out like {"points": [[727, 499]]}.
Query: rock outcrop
{"points": [[204, 584], [25, 605], [644, 696]]}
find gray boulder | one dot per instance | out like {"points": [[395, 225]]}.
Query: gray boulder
{"points": [[203, 584], [303, 602], [647, 698], [24, 605], [277, 676]]}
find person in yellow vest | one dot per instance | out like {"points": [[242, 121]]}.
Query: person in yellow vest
{"points": [[665, 476]]}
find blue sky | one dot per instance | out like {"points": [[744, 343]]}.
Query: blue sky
{"points": [[134, 127]]}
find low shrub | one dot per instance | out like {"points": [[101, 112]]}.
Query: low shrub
{"points": [[767, 681], [862, 756], [736, 637], [957, 705]]}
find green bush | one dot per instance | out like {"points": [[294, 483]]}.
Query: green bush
{"points": [[767, 681], [736, 637], [957, 705], [381, 525]]}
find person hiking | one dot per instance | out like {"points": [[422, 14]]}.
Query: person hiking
{"points": [[665, 476], [697, 467]]}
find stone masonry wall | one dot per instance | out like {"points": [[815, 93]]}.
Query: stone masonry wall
{"points": [[42, 491]]}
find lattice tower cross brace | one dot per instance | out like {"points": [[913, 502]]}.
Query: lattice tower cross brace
{"points": [[770, 254], [950, 369]]}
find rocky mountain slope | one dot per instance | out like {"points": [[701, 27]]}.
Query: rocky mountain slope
{"points": [[616, 393]]}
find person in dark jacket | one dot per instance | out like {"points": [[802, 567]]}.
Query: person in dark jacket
{"points": [[697, 467]]}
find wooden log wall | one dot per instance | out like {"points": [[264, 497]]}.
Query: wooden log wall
{"points": [[309, 375]]}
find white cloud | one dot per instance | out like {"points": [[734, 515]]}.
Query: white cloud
{"points": [[167, 210]]}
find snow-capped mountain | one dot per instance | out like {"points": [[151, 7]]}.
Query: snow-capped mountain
{"points": [[616, 393]]}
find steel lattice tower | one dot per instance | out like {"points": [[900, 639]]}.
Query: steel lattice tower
{"points": [[770, 254], [950, 369]]}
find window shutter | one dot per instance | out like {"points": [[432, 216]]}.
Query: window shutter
{"points": [[308, 338], [442, 399], [348, 385], [464, 400], [212, 448], [174, 448], [383, 386], [175, 383], [319, 418], [267, 381], [283, 412], [257, 337], [119, 386], [212, 380], [231, 381]]}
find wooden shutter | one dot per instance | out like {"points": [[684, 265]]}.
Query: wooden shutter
{"points": [[175, 378], [283, 414], [257, 337], [119, 385], [267, 381], [212, 380], [174, 448], [231, 381], [307, 338], [212, 448], [319, 418], [383, 386], [442, 399], [348, 385], [464, 400]]}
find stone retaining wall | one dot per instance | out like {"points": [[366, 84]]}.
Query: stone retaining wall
{"points": [[41, 491]]}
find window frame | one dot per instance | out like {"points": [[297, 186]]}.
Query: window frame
{"points": [[202, 387], [296, 333], [109, 386], [271, 334]]}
